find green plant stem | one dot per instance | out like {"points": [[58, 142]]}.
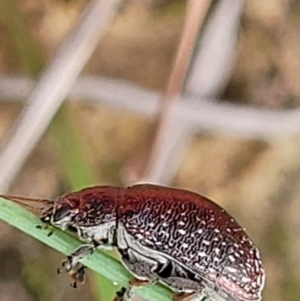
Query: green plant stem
{"points": [[61, 241], [78, 170], [32, 60]]}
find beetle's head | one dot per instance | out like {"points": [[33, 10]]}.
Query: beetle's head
{"points": [[59, 213], [91, 211]]}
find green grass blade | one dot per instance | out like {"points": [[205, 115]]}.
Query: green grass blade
{"points": [[30, 57], [78, 170], [99, 262]]}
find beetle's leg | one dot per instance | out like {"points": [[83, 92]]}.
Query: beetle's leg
{"points": [[77, 275], [138, 282], [78, 255], [125, 294], [183, 296], [72, 264]]}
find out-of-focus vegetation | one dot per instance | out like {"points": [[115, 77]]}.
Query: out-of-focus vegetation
{"points": [[257, 181]]}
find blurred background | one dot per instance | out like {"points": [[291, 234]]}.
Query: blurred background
{"points": [[201, 95]]}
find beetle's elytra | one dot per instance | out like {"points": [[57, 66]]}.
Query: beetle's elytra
{"points": [[177, 237]]}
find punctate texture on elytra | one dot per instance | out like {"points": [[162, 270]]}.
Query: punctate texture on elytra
{"points": [[196, 232]]}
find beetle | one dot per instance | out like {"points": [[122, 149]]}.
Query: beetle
{"points": [[177, 237]]}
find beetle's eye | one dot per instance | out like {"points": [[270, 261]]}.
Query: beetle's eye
{"points": [[61, 212]]}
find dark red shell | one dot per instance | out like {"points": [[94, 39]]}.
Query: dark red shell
{"points": [[196, 232], [185, 226]]}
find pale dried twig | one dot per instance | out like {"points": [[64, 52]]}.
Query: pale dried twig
{"points": [[214, 57], [223, 117]]}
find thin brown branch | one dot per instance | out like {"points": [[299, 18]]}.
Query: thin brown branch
{"points": [[196, 12]]}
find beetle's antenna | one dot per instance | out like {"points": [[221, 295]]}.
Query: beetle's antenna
{"points": [[36, 206]]}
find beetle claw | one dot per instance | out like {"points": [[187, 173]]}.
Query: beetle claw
{"points": [[137, 282], [74, 269], [125, 294], [183, 296], [78, 275]]}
